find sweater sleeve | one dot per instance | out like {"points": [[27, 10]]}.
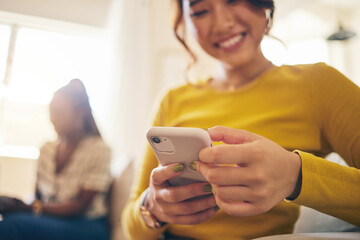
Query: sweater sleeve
{"points": [[328, 187], [133, 224]]}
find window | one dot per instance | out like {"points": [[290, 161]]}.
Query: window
{"points": [[43, 61]]}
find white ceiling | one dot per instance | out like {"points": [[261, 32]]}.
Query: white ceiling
{"points": [[321, 7], [88, 12]]}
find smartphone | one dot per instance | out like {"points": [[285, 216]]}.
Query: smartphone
{"points": [[179, 145]]}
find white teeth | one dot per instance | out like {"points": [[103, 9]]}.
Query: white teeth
{"points": [[231, 42]]}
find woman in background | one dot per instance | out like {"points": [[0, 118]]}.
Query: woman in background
{"points": [[279, 123], [73, 178]]}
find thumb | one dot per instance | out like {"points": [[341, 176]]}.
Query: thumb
{"points": [[231, 135]]}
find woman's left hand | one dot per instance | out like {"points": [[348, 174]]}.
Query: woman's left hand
{"points": [[258, 173], [9, 204]]}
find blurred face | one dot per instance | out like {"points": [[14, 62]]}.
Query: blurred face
{"points": [[63, 115], [229, 30]]}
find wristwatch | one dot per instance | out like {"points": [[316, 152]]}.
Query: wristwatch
{"points": [[149, 218]]}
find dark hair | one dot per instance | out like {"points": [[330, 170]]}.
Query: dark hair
{"points": [[178, 24], [76, 92]]}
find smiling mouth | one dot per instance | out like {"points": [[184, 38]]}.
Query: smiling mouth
{"points": [[230, 43]]}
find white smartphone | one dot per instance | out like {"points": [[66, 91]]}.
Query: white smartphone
{"points": [[179, 145]]}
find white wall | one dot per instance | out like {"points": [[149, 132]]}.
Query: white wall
{"points": [[354, 49]]}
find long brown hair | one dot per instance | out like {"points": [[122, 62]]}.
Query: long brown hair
{"points": [[76, 92], [178, 24]]}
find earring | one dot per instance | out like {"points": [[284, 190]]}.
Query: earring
{"points": [[268, 21]]}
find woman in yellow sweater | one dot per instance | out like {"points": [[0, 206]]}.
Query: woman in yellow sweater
{"points": [[279, 123]]}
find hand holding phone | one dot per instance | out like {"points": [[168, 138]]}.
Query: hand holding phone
{"points": [[179, 145], [179, 197]]}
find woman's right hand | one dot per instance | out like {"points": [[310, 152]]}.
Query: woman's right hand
{"points": [[176, 204]]}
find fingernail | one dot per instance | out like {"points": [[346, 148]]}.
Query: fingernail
{"points": [[217, 208], [178, 168], [193, 166], [207, 188]]}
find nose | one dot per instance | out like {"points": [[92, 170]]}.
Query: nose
{"points": [[223, 20]]}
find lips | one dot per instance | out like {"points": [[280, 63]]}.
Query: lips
{"points": [[231, 42]]}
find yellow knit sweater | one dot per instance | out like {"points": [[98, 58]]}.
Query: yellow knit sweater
{"points": [[311, 108]]}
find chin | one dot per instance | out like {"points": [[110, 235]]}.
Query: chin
{"points": [[234, 59]]}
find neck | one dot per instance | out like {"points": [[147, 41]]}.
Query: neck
{"points": [[72, 138], [236, 77]]}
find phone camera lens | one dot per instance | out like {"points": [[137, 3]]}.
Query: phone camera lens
{"points": [[156, 140]]}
